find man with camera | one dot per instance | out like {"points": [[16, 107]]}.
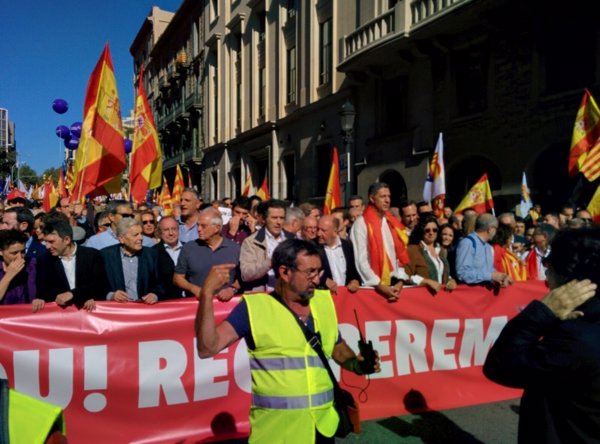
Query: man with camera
{"points": [[292, 392]]}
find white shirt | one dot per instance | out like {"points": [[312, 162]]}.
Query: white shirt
{"points": [[174, 252], [272, 243], [540, 267], [437, 262], [68, 263], [337, 262], [358, 236]]}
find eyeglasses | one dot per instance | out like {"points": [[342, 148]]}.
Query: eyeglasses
{"points": [[311, 273], [148, 222], [125, 214], [431, 230]]}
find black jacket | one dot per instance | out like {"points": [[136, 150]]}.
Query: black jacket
{"points": [[147, 279], [351, 271], [90, 279], [558, 364]]}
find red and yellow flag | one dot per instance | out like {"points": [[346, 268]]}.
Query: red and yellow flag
{"points": [[165, 200], [247, 186], [178, 185], [146, 155], [100, 159], [479, 197], [263, 191], [62, 187], [50, 195], [594, 206], [333, 195], [585, 136]]}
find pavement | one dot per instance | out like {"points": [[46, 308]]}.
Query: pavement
{"points": [[494, 423]]}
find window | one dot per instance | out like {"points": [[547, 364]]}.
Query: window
{"points": [[214, 85], [291, 75], [262, 25], [262, 91], [238, 81], [214, 9], [325, 55], [471, 82], [394, 97], [291, 8]]}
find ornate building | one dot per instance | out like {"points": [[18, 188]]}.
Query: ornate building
{"points": [[256, 87]]}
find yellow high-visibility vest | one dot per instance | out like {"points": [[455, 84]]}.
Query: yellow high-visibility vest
{"points": [[292, 393], [31, 420]]}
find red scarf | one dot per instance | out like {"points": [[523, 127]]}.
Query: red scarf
{"points": [[379, 260], [532, 266]]}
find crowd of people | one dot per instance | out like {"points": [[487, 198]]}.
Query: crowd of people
{"points": [[118, 251], [290, 258]]}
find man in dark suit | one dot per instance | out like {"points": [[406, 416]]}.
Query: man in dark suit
{"points": [[168, 250], [68, 273], [337, 257], [131, 268]]}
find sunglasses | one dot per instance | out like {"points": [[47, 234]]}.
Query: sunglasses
{"points": [[148, 222], [107, 224], [431, 230], [125, 214]]}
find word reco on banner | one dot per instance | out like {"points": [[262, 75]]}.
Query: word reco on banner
{"points": [[134, 368]]}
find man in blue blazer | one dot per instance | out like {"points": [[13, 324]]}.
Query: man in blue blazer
{"points": [[131, 268]]}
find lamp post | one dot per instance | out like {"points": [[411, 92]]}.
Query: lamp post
{"points": [[347, 116]]}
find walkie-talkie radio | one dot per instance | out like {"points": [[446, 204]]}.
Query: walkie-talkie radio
{"points": [[366, 350]]}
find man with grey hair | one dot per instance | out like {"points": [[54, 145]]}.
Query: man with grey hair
{"points": [[131, 268], [117, 210], [190, 210], [198, 256], [294, 216], [475, 256]]}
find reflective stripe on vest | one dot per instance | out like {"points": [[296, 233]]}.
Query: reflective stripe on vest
{"points": [[284, 363], [292, 402]]}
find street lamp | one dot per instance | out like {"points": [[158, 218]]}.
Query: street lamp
{"points": [[347, 115]]}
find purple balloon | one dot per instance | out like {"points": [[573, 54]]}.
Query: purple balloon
{"points": [[63, 132], [72, 143], [76, 129], [60, 106], [128, 146]]}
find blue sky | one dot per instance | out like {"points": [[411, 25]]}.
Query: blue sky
{"points": [[48, 50]]}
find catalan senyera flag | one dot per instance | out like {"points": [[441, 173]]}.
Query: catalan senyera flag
{"points": [[100, 157], [247, 186], [594, 206], [263, 191], [434, 190], [146, 154], [50, 195], [479, 197], [585, 137], [178, 185], [165, 200], [333, 195]]}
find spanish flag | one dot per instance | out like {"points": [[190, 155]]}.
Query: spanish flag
{"points": [[146, 155], [100, 159], [247, 186], [178, 185], [333, 196], [585, 137], [164, 199], [594, 206], [263, 191], [62, 188], [50, 195], [479, 197]]}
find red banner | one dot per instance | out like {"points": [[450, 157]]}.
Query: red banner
{"points": [[132, 369]]}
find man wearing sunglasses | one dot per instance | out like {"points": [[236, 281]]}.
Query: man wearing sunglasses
{"points": [[117, 210]]}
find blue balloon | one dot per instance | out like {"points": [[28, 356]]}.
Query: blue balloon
{"points": [[60, 106], [63, 132], [128, 146], [72, 143], [76, 129]]}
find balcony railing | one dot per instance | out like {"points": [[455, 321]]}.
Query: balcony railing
{"points": [[400, 20]]}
